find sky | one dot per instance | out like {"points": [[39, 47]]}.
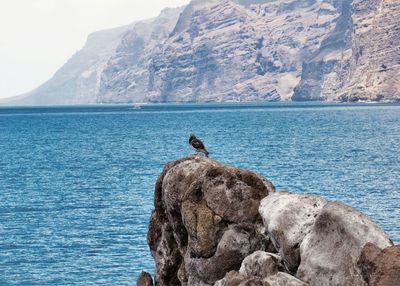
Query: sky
{"points": [[38, 36]]}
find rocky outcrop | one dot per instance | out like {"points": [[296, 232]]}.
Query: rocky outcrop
{"points": [[144, 279], [360, 61], [286, 234], [330, 251], [125, 78], [322, 241], [205, 221], [380, 267], [225, 226]]}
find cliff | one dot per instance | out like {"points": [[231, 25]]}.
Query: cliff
{"points": [[375, 65], [230, 52], [220, 225], [125, 78], [106, 64], [360, 60], [239, 50], [77, 82]]}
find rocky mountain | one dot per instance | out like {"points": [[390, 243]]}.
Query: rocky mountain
{"points": [[125, 77], [230, 52], [239, 50], [360, 60], [77, 81], [84, 78]]}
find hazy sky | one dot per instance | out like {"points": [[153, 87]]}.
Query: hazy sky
{"points": [[38, 36]]}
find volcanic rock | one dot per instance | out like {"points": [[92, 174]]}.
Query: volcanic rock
{"points": [[205, 220], [261, 264], [289, 218], [283, 279], [380, 267], [225, 226], [329, 253], [144, 279]]}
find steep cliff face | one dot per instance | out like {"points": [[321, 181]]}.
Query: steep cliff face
{"points": [[109, 66], [239, 50], [77, 82], [320, 71], [375, 64], [362, 62], [126, 75], [232, 52], [204, 62]]}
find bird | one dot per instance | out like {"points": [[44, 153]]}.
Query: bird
{"points": [[197, 145]]}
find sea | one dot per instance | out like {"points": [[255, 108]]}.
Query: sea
{"points": [[77, 183]]}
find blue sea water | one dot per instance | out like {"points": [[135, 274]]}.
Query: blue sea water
{"points": [[76, 183]]}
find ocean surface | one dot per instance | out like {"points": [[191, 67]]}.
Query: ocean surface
{"points": [[76, 183]]}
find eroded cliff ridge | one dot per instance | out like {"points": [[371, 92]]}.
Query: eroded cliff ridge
{"points": [[240, 50], [225, 226], [230, 52], [360, 60]]}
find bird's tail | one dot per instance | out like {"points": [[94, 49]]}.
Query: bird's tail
{"points": [[203, 151]]}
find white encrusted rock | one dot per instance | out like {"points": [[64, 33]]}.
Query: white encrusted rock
{"points": [[261, 264], [283, 279], [288, 218], [329, 253]]}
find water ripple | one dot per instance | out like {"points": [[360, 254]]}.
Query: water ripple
{"points": [[76, 184]]}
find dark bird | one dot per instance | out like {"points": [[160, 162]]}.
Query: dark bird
{"points": [[197, 145]]}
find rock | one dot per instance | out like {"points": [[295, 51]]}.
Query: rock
{"points": [[319, 241], [220, 225], [234, 246], [260, 269], [375, 52], [144, 279], [289, 218], [330, 251], [205, 221], [77, 80], [164, 250], [283, 279], [380, 268], [125, 78], [359, 61], [227, 51], [234, 278], [261, 264], [367, 260]]}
